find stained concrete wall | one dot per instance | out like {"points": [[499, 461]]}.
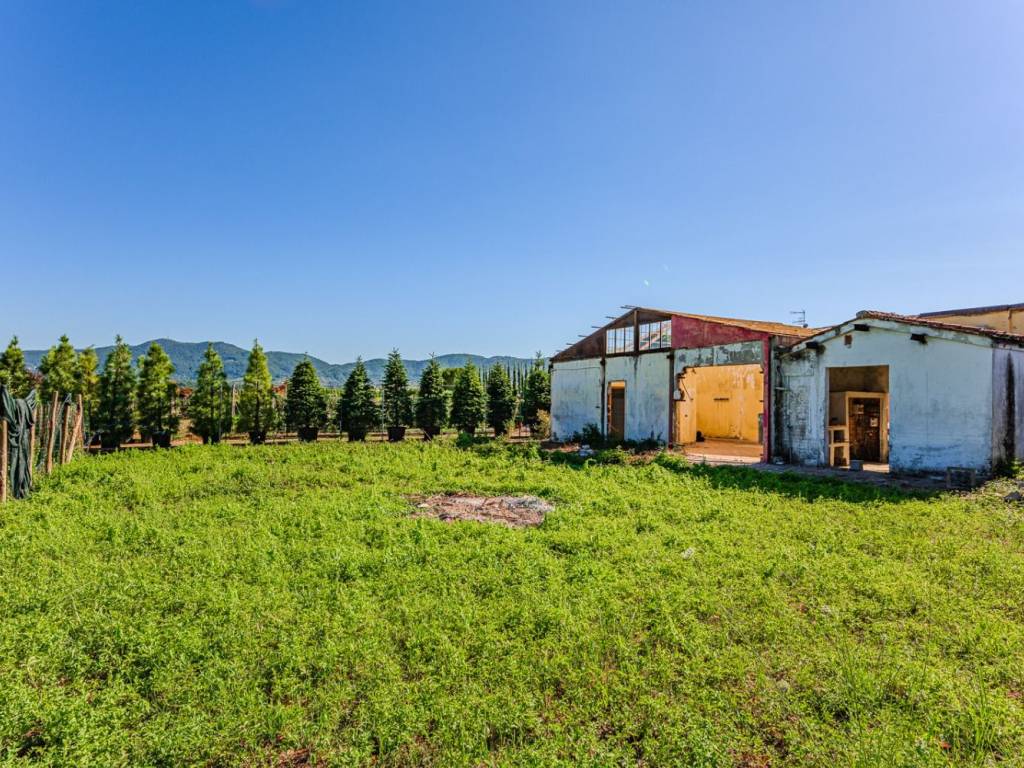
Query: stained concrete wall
{"points": [[1007, 405], [575, 397], [738, 353], [940, 396], [648, 392]]}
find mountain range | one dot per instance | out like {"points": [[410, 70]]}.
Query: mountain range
{"points": [[187, 356]]}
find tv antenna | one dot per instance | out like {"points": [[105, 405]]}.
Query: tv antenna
{"points": [[800, 316]]}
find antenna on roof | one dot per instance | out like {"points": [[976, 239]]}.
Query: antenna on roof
{"points": [[800, 316]]}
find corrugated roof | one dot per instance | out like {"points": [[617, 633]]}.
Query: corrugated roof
{"points": [[778, 329]]}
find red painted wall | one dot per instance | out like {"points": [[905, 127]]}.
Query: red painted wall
{"points": [[689, 332]]}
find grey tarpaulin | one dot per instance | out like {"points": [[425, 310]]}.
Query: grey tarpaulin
{"points": [[20, 416]]}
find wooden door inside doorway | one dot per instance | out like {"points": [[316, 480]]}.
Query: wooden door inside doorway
{"points": [[865, 424], [617, 410]]}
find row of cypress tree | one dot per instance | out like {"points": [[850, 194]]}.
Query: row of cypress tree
{"points": [[124, 398]]}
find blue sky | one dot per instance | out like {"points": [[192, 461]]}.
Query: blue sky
{"points": [[341, 178]]}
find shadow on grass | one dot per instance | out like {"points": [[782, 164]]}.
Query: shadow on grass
{"points": [[788, 483]]}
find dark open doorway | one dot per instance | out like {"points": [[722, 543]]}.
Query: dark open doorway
{"points": [[858, 416]]}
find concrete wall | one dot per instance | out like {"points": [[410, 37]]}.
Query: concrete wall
{"points": [[648, 392], [575, 397], [940, 397], [1009, 320]]}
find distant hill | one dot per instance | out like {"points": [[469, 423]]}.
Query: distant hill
{"points": [[187, 357]]}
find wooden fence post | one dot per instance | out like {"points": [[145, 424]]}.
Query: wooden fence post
{"points": [[32, 442], [75, 432], [3, 460], [52, 437]]}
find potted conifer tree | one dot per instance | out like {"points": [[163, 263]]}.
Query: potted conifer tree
{"points": [[432, 401], [306, 403], [155, 397], [209, 407], [256, 412], [396, 402], [358, 408], [469, 399], [117, 397]]}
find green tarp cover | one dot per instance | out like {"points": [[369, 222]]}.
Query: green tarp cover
{"points": [[19, 415]]}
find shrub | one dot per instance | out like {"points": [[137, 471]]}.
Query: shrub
{"points": [[541, 427]]}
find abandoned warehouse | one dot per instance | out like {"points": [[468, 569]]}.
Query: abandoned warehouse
{"points": [[890, 392]]}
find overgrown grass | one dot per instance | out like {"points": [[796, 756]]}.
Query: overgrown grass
{"points": [[275, 605]]}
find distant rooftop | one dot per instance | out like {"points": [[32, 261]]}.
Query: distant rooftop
{"points": [[973, 310]]}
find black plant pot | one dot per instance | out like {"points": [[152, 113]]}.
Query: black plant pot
{"points": [[429, 433], [356, 435], [396, 434], [308, 434], [109, 443], [257, 438], [161, 439]]}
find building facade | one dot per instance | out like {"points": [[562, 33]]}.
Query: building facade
{"points": [[670, 377]]}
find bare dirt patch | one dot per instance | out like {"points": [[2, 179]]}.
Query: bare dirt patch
{"points": [[510, 511]]}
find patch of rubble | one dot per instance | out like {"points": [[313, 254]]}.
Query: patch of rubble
{"points": [[510, 511]]}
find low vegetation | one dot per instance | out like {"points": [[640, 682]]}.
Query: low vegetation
{"points": [[285, 605]]}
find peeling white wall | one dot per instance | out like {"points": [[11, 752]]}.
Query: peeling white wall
{"points": [[575, 397], [648, 392], [940, 397]]}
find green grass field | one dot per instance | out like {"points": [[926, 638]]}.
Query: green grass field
{"points": [[278, 606]]}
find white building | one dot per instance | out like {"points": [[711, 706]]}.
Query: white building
{"points": [[916, 393]]}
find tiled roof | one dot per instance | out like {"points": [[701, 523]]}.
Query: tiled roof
{"points": [[873, 314]]}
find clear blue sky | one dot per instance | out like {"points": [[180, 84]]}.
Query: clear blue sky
{"points": [[341, 178]]}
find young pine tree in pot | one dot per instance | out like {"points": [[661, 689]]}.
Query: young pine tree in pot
{"points": [[256, 412], [469, 400], [396, 402], [209, 408], [117, 397], [358, 408], [501, 400], [432, 401], [306, 403], [155, 397]]}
